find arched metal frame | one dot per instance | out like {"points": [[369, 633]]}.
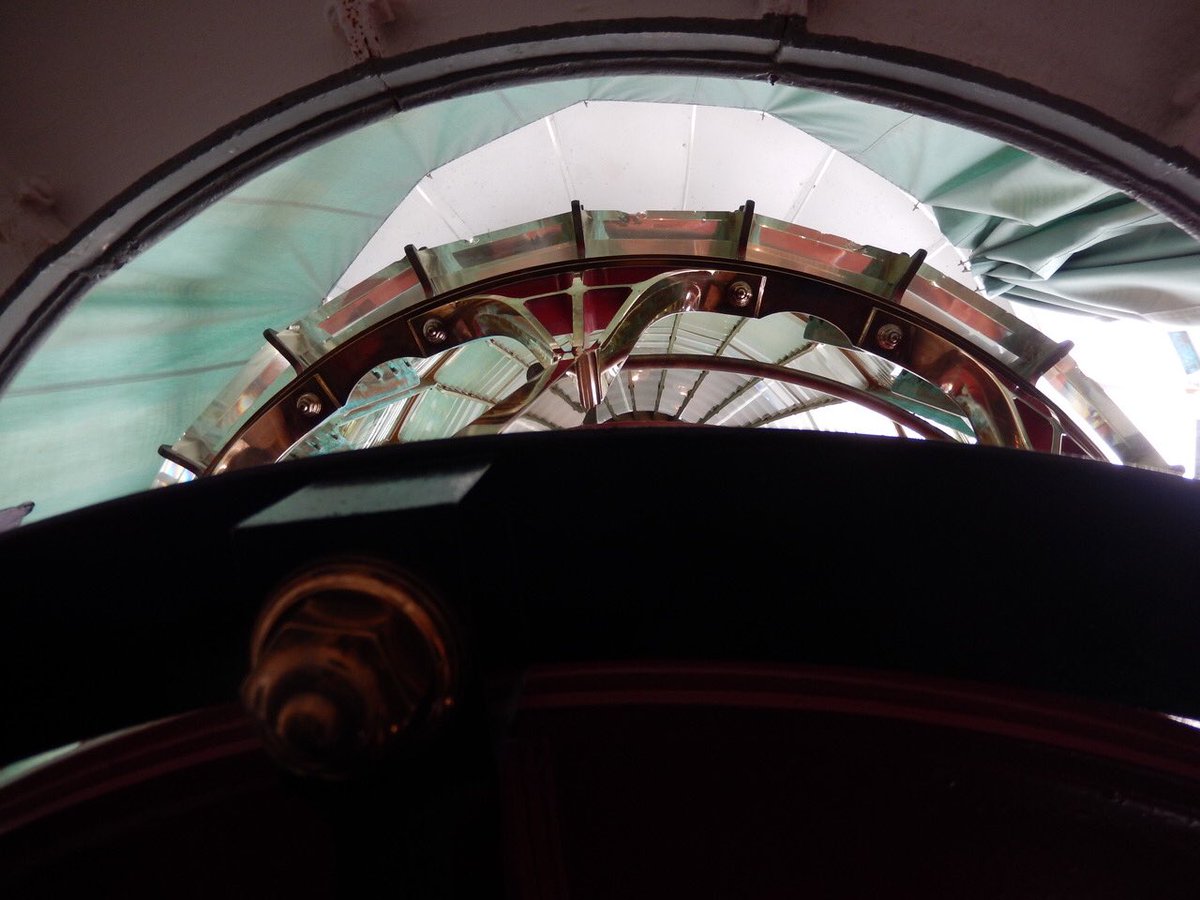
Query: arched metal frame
{"points": [[578, 291]]}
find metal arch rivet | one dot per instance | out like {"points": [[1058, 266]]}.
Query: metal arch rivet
{"points": [[888, 336], [309, 404], [740, 294], [434, 331]]}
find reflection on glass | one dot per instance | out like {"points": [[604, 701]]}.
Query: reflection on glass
{"points": [[421, 399], [521, 247], [568, 312], [612, 233]]}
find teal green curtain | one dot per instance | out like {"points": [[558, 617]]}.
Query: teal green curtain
{"points": [[138, 358]]}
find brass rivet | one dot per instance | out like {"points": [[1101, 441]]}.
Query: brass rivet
{"points": [[888, 336], [308, 404]]}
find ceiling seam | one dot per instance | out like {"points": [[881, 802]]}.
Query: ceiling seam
{"points": [[456, 231], [806, 190], [563, 168], [687, 165]]}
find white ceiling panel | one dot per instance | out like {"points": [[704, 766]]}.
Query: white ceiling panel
{"points": [[626, 156], [516, 178], [416, 221], [739, 155], [852, 201], [634, 156]]}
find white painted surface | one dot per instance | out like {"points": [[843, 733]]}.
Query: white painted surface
{"points": [[633, 156]]}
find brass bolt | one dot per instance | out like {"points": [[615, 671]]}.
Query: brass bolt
{"points": [[889, 336], [308, 404], [435, 331], [740, 294], [351, 662]]}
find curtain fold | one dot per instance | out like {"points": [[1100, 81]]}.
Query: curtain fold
{"points": [[133, 363]]}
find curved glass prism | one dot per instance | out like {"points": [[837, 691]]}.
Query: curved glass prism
{"points": [[597, 318]]}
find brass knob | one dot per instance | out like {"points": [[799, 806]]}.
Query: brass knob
{"points": [[351, 661]]}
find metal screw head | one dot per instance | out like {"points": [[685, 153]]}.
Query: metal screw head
{"points": [[434, 331], [889, 336], [308, 404], [740, 294]]}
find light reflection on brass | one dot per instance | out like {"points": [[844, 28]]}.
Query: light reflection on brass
{"points": [[930, 352], [351, 661], [937, 330]]}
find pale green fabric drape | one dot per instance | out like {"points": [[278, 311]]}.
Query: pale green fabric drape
{"points": [[145, 350]]}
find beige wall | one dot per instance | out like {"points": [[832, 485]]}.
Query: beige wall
{"points": [[96, 94]]}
